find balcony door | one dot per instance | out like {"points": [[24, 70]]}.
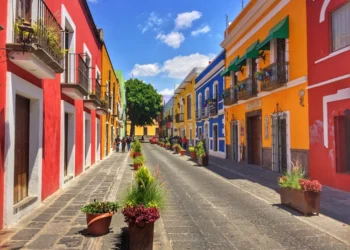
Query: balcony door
{"points": [[24, 9], [215, 137], [21, 167], [281, 60], [234, 141]]}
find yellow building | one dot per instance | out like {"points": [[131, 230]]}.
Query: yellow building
{"points": [[266, 112], [185, 107], [147, 131], [111, 107]]}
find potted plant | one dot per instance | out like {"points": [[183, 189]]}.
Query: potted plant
{"points": [[192, 152], [99, 216], [182, 151], [142, 203], [138, 161], [299, 193], [259, 75], [201, 154], [177, 148], [168, 145], [137, 148]]}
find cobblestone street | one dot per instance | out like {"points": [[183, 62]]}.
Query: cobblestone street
{"points": [[204, 210]]}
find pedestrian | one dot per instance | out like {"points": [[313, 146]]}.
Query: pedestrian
{"points": [[128, 142], [123, 144], [184, 142], [179, 140], [117, 143]]}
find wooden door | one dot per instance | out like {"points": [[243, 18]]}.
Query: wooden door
{"points": [[21, 149], [66, 116], [234, 141], [255, 140]]}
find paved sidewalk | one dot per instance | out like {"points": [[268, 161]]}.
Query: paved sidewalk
{"points": [[57, 223], [335, 204]]}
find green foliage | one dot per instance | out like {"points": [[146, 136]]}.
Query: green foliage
{"points": [[136, 146], [139, 160], [177, 146], [192, 149], [200, 151], [168, 144], [143, 103], [291, 180], [98, 207], [147, 190]]}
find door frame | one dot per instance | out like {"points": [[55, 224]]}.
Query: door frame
{"points": [[70, 109], [17, 85], [87, 158], [248, 115]]}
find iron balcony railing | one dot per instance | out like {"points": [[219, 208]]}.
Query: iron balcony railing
{"points": [[47, 30], [213, 107], [98, 89], [230, 96], [205, 111], [246, 89], [198, 116], [76, 71], [179, 117], [273, 76]]}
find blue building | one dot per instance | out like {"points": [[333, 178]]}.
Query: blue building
{"points": [[167, 123], [210, 107]]}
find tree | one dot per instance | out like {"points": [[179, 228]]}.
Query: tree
{"points": [[143, 103]]}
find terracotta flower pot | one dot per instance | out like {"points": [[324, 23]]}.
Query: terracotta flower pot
{"points": [[193, 155], [203, 161], [183, 152], [136, 166], [98, 224], [137, 154], [177, 150], [304, 202], [141, 237], [168, 147]]}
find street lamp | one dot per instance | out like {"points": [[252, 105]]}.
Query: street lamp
{"points": [[26, 32]]}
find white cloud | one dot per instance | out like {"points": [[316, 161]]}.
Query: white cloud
{"points": [[173, 39], [145, 70], [184, 20], [153, 22], [198, 31], [167, 91], [179, 66]]}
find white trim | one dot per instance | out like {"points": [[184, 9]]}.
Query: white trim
{"points": [[86, 157], [87, 51], [291, 84], [98, 139], [256, 28], [323, 10], [17, 85], [335, 53], [208, 75], [339, 78], [193, 74], [341, 94], [211, 78], [67, 108]]}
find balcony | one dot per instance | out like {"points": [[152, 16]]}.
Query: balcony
{"points": [[75, 82], [213, 107], [94, 99], [205, 111], [198, 116], [179, 117], [230, 96], [37, 46], [273, 76], [104, 107], [246, 89]]}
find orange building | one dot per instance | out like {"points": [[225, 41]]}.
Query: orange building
{"points": [[266, 101]]}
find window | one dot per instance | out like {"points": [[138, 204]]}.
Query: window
{"points": [[189, 107], [341, 27], [145, 131], [24, 9], [199, 133], [215, 91], [342, 143]]}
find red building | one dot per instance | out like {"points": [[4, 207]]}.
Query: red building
{"points": [[49, 90], [328, 24]]}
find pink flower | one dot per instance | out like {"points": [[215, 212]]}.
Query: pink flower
{"points": [[310, 185]]}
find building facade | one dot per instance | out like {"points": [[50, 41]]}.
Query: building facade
{"points": [[148, 131], [210, 107], [168, 118], [266, 101], [122, 104], [51, 100], [329, 91], [185, 107]]}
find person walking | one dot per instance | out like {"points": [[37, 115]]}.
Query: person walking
{"points": [[123, 144], [184, 143], [128, 142], [117, 143]]}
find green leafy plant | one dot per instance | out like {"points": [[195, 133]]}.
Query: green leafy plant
{"points": [[200, 151], [98, 207], [259, 74], [147, 190], [136, 146], [168, 144], [291, 180], [177, 147], [139, 160], [192, 149]]}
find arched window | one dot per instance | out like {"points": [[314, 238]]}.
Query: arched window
{"points": [[216, 90], [199, 107]]}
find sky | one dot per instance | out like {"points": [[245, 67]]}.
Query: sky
{"points": [[160, 41]]}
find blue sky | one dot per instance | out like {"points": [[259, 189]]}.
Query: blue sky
{"points": [[160, 41]]}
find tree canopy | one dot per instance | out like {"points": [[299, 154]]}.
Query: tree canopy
{"points": [[143, 103]]}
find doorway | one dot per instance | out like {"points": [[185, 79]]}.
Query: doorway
{"points": [[66, 131], [106, 140], [234, 141], [21, 175], [87, 143], [279, 143], [215, 137], [254, 137], [206, 135]]}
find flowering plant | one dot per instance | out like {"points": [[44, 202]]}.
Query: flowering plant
{"points": [[310, 185], [140, 215], [177, 147], [192, 149]]}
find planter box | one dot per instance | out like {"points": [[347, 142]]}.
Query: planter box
{"points": [[141, 237], [304, 202], [203, 161]]}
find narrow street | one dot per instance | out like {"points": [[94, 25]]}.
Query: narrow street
{"points": [[206, 211]]}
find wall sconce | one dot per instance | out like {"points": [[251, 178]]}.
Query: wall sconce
{"points": [[236, 73], [301, 97], [262, 55], [257, 60]]}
